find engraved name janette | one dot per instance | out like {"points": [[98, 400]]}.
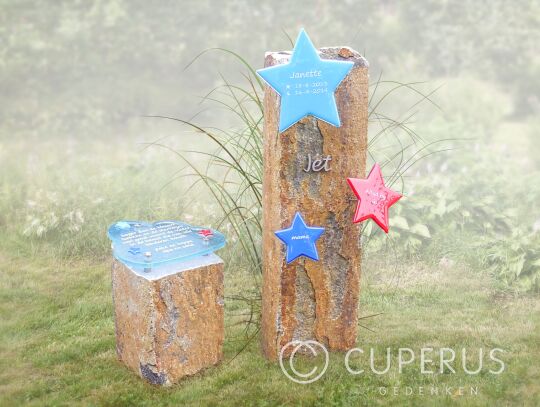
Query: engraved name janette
{"points": [[307, 74], [318, 164]]}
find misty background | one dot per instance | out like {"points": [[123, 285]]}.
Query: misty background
{"points": [[78, 79], [79, 69], [454, 120]]}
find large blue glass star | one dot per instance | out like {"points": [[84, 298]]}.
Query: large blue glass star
{"points": [[300, 239], [306, 84]]}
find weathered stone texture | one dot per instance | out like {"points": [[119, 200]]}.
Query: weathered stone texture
{"points": [[170, 327], [307, 299]]}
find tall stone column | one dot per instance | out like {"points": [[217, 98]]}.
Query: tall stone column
{"points": [[307, 299]]}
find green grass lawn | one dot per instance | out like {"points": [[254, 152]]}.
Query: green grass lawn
{"points": [[57, 343], [78, 81]]}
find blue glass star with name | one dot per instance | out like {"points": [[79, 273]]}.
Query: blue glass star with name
{"points": [[306, 84], [300, 239]]}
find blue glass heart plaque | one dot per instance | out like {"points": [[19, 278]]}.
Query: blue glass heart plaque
{"points": [[148, 245]]}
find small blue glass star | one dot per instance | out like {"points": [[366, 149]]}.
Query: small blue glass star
{"points": [[306, 84], [122, 225], [134, 250], [300, 239]]}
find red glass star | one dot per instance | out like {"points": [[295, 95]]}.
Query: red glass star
{"points": [[374, 198], [206, 233]]}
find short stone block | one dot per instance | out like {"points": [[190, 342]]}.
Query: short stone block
{"points": [[169, 321]]}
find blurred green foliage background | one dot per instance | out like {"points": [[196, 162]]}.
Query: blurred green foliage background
{"points": [[75, 69], [78, 78]]}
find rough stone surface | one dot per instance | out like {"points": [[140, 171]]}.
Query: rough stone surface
{"points": [[170, 327], [307, 299]]}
